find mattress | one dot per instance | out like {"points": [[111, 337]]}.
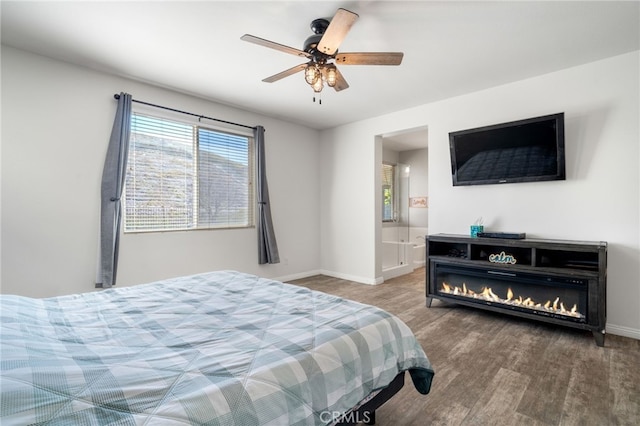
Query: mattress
{"points": [[219, 348]]}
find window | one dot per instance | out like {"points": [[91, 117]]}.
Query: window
{"points": [[183, 176], [388, 192]]}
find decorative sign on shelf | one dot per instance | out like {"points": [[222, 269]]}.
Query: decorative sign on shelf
{"points": [[502, 257]]}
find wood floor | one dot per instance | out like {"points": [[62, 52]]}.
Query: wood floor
{"points": [[493, 369]]}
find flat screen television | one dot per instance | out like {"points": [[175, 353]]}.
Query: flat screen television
{"points": [[529, 150]]}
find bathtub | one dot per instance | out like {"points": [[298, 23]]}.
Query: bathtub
{"points": [[418, 255]]}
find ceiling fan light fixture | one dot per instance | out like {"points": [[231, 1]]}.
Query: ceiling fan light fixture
{"points": [[331, 75], [311, 74], [317, 85]]}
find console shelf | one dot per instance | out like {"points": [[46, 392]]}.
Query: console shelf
{"points": [[577, 269]]}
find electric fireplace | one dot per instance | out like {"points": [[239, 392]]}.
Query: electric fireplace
{"points": [[558, 282], [554, 297]]}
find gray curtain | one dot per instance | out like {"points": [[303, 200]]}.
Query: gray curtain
{"points": [[113, 178], [267, 246]]}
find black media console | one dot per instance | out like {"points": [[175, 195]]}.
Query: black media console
{"points": [[555, 281]]}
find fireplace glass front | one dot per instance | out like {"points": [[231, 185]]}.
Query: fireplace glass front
{"points": [[556, 297]]}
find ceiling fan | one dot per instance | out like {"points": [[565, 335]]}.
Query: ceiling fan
{"points": [[322, 51]]}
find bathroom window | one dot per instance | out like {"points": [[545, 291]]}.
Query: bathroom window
{"points": [[183, 176], [388, 192]]}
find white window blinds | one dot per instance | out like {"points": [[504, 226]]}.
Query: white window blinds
{"points": [[183, 176], [224, 180]]}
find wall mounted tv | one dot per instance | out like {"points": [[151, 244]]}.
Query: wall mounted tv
{"points": [[528, 150]]}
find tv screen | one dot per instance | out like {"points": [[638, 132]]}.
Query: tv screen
{"points": [[519, 151]]}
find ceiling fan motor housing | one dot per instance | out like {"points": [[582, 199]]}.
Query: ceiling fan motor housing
{"points": [[311, 43]]}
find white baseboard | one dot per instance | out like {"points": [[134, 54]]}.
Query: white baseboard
{"points": [[298, 276], [620, 330]]}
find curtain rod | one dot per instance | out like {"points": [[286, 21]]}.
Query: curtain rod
{"points": [[117, 96]]}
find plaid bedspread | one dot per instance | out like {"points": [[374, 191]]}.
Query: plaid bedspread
{"points": [[221, 348]]}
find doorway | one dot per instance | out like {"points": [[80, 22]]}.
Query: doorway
{"points": [[404, 201]]}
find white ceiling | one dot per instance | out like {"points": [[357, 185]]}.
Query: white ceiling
{"points": [[450, 48]]}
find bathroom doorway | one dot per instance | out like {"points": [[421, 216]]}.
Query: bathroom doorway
{"points": [[404, 201]]}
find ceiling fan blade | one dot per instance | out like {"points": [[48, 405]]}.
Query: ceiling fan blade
{"points": [[336, 31], [341, 83], [372, 58], [285, 73], [273, 45]]}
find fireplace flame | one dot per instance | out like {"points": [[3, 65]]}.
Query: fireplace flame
{"points": [[556, 306]]}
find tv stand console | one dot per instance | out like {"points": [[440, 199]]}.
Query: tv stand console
{"points": [[555, 281]]}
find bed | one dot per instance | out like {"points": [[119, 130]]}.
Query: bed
{"points": [[219, 348]]}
